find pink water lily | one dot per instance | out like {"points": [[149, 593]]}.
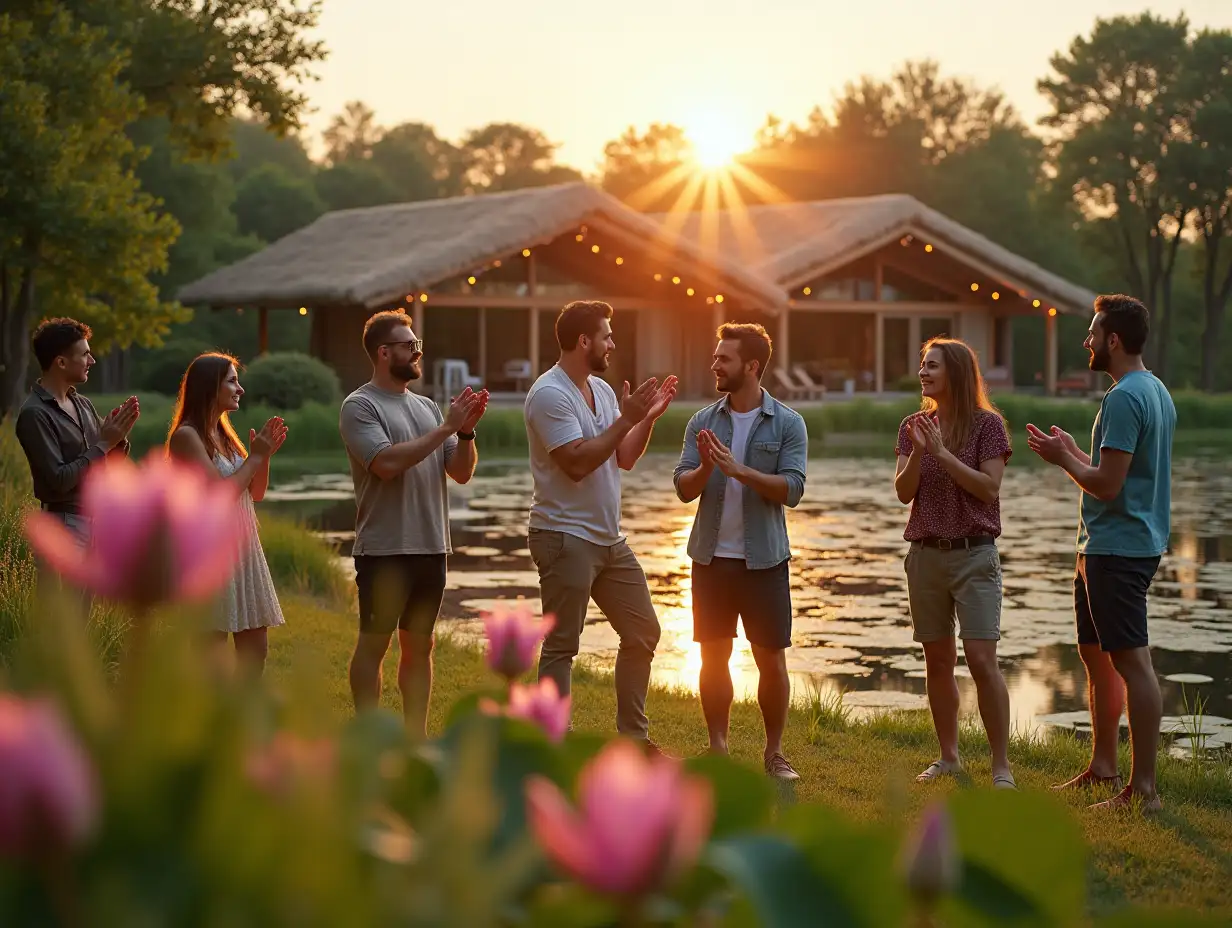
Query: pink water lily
{"points": [[931, 858], [159, 532], [48, 791], [640, 821], [513, 634], [541, 704]]}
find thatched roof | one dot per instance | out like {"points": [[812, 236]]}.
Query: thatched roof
{"points": [[792, 243], [370, 257]]}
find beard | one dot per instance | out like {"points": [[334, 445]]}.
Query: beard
{"points": [[407, 372], [729, 383], [598, 362], [1100, 358]]}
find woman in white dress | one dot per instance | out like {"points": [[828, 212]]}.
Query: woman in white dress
{"points": [[201, 433]]}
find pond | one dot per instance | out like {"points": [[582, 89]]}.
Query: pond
{"points": [[852, 627]]}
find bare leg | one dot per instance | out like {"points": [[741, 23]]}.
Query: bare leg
{"points": [[251, 650], [1145, 710], [415, 680], [773, 695], [940, 659], [1106, 693], [365, 672], [714, 685], [994, 700]]}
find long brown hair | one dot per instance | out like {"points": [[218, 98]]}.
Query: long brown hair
{"points": [[197, 404], [968, 395]]}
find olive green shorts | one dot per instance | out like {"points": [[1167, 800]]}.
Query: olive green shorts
{"points": [[962, 583]]}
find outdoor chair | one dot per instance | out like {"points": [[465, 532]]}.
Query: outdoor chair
{"points": [[813, 390], [791, 390]]}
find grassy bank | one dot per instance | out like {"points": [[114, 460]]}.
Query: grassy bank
{"points": [[1202, 419]]}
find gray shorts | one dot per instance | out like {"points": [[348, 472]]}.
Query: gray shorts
{"points": [[963, 583]]}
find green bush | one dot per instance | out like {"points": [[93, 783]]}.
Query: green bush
{"points": [[300, 562], [287, 380], [161, 370]]}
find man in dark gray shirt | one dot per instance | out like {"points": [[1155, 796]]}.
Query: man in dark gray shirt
{"points": [[59, 430]]}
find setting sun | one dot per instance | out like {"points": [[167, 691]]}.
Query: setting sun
{"points": [[716, 142]]}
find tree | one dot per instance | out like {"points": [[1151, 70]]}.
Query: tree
{"points": [[270, 203], [77, 233], [1208, 91], [648, 170], [1122, 150], [254, 144], [354, 184], [351, 134], [418, 164], [506, 156]]}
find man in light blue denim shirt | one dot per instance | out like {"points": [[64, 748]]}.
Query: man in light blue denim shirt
{"points": [[746, 457]]}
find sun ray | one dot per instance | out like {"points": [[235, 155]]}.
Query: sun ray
{"points": [[645, 197]]}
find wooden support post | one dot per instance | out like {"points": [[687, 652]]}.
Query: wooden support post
{"points": [[417, 318], [1050, 354], [914, 343], [879, 348], [262, 331], [533, 337], [483, 345], [782, 346]]}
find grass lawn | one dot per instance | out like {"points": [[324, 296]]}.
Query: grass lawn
{"points": [[1182, 857]]}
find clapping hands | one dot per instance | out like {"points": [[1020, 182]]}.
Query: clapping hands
{"points": [[715, 454]]}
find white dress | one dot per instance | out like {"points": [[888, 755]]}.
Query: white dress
{"points": [[249, 600]]}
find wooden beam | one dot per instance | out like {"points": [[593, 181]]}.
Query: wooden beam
{"points": [[532, 290], [474, 301], [879, 349], [262, 331], [1050, 355], [940, 310]]}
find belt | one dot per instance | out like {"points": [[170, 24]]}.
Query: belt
{"points": [[947, 544], [62, 508]]}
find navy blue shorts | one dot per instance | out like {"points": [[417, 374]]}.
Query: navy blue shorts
{"points": [[1110, 600], [725, 591]]}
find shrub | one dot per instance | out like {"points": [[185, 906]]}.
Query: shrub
{"points": [[162, 369], [301, 562], [288, 380]]}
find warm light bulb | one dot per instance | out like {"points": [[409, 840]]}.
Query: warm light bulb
{"points": [[594, 248], [423, 297], [675, 280], [620, 260], [974, 287], [410, 298], [719, 298], [928, 248], [1035, 303], [709, 300], [578, 237], [496, 263], [1052, 310], [525, 252], [303, 310], [689, 292], [658, 276], [996, 295], [471, 281], [808, 291]]}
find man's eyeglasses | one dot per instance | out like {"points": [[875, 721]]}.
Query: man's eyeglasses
{"points": [[415, 345]]}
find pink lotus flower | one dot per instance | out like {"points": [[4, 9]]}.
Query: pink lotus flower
{"points": [[159, 532], [542, 704], [640, 821], [513, 634], [48, 794], [931, 859], [289, 761]]}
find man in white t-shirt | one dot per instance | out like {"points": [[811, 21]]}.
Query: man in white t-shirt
{"points": [[746, 456], [581, 436]]}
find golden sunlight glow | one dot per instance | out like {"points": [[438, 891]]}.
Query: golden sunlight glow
{"points": [[716, 142]]}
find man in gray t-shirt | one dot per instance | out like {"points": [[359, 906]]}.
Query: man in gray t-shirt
{"points": [[400, 448], [580, 438]]}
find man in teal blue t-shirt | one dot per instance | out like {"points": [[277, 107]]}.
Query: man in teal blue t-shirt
{"points": [[1126, 506]]}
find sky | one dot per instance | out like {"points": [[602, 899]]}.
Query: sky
{"points": [[582, 71]]}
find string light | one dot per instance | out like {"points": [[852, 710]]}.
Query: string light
{"points": [[996, 295], [471, 281], [578, 237], [709, 300], [658, 276], [808, 291], [719, 298], [423, 297], [1052, 310], [594, 248], [496, 263], [1035, 303], [525, 252], [928, 248], [303, 310], [675, 280], [974, 287], [689, 292], [410, 298], [620, 260]]}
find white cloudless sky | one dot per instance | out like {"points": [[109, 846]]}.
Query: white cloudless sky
{"points": [[582, 71]]}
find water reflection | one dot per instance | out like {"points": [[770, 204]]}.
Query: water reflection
{"points": [[852, 628]]}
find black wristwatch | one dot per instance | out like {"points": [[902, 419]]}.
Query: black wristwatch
{"points": [[466, 436]]}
